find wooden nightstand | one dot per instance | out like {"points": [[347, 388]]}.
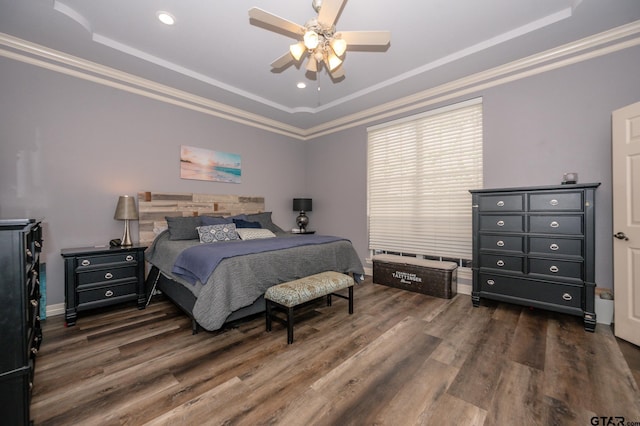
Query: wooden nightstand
{"points": [[102, 276]]}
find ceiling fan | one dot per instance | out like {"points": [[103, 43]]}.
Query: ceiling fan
{"points": [[318, 38]]}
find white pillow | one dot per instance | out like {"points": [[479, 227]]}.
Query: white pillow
{"points": [[254, 233]]}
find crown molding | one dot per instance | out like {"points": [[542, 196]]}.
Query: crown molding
{"points": [[594, 46]]}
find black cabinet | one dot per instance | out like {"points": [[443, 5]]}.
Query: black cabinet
{"points": [[102, 276], [20, 248], [535, 246]]}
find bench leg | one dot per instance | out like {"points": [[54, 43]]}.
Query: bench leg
{"points": [[268, 314], [289, 326], [350, 300], [329, 299]]}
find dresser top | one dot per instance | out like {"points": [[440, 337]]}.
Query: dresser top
{"points": [[539, 188]]}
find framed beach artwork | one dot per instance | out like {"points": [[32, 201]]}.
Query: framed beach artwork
{"points": [[205, 164]]}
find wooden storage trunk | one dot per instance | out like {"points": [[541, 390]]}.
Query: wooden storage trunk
{"points": [[430, 277]]}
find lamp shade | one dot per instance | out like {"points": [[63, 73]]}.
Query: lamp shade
{"points": [[126, 208], [302, 204]]}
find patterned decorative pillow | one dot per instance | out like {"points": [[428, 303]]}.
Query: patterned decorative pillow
{"points": [[254, 233], [214, 233]]}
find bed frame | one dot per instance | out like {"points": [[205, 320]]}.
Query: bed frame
{"points": [[153, 207]]}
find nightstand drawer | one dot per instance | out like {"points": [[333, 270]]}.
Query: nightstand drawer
{"points": [[92, 261], [105, 275], [92, 294]]}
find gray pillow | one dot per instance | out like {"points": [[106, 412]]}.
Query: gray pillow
{"points": [[214, 220], [183, 228], [264, 219]]}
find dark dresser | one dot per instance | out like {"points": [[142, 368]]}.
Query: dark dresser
{"points": [[20, 248], [102, 276], [535, 247]]}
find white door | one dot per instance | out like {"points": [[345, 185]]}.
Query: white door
{"points": [[626, 222]]}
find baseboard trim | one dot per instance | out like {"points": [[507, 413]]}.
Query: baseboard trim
{"points": [[54, 310]]}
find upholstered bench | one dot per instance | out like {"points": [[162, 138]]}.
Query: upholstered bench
{"points": [[286, 296]]}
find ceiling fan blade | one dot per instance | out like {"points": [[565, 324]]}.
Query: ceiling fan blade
{"points": [[282, 61], [365, 38], [276, 21], [329, 11], [337, 73]]}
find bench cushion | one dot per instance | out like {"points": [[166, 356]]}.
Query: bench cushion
{"points": [[295, 292]]}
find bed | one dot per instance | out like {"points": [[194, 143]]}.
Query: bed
{"points": [[225, 280]]}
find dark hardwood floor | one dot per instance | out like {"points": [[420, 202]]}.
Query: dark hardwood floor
{"points": [[401, 359]]}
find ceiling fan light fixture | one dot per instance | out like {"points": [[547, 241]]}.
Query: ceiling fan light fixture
{"points": [[339, 46], [333, 62], [312, 64], [311, 39], [297, 50]]}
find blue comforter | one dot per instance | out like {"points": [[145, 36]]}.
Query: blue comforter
{"points": [[197, 263]]}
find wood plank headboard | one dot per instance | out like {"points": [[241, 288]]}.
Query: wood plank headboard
{"points": [[154, 206]]}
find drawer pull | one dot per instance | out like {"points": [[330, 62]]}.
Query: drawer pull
{"points": [[129, 258], [500, 243], [553, 202], [108, 275], [108, 293], [554, 269], [491, 282], [554, 247], [37, 244], [34, 303], [29, 254], [34, 350], [85, 262], [554, 224], [500, 223], [500, 263], [567, 296], [500, 203]]}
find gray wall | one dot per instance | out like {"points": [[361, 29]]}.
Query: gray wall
{"points": [[70, 147], [535, 130]]}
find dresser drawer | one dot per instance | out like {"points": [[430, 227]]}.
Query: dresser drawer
{"points": [[556, 246], [550, 201], [556, 268], [506, 263], [502, 242], [92, 261], [107, 274], [504, 223], [565, 295], [99, 293], [504, 203], [549, 224]]}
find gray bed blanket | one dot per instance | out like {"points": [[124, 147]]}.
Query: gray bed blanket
{"points": [[238, 281]]}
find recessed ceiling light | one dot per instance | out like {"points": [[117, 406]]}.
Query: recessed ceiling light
{"points": [[166, 18], [301, 85]]}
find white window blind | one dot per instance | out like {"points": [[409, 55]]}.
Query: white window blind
{"points": [[420, 170]]}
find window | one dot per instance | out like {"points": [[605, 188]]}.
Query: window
{"points": [[420, 171]]}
